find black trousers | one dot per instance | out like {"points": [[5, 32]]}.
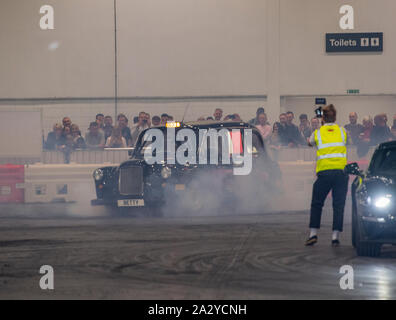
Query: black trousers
{"points": [[335, 181]]}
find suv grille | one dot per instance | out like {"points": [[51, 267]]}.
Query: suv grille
{"points": [[131, 181]]}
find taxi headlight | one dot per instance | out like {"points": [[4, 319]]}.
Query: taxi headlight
{"points": [[382, 202], [166, 172], [98, 174]]}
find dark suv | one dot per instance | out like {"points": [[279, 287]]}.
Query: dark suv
{"points": [[374, 202]]}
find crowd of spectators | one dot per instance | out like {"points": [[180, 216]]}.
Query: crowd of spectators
{"points": [[66, 136], [101, 133]]}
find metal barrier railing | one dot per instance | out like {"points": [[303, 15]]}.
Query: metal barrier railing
{"points": [[118, 155]]}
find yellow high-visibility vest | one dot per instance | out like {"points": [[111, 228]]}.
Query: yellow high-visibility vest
{"points": [[332, 152]]}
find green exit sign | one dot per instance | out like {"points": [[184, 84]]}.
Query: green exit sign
{"points": [[353, 91]]}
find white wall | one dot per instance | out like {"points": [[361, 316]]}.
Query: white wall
{"points": [[192, 48], [305, 66], [82, 65]]}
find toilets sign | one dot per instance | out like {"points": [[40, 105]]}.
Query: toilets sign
{"points": [[354, 42]]}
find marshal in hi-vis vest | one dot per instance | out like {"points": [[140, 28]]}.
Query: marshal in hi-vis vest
{"points": [[332, 152]]}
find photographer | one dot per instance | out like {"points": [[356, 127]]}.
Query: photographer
{"points": [[143, 123], [331, 159]]}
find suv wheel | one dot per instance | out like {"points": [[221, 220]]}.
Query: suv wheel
{"points": [[365, 249]]}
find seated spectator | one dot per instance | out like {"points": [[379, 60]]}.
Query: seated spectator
{"points": [[210, 118], [156, 121], [123, 124], [364, 140], [381, 132], [94, 138], [237, 117], [255, 120], [264, 128], [66, 122], [201, 119], [393, 129], [142, 124], [66, 131], [275, 139], [116, 140], [353, 128], [67, 148], [164, 119], [148, 118], [315, 124], [218, 114], [55, 138], [292, 135], [170, 118], [305, 128], [108, 126], [78, 141], [100, 120]]}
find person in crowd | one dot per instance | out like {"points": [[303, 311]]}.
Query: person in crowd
{"points": [[304, 127], [66, 121], [107, 126], [381, 132], [210, 118], [170, 118], [94, 138], [263, 126], [364, 139], [315, 124], [78, 141], [67, 148], [156, 121], [55, 138], [135, 120], [164, 119], [393, 128], [255, 120], [66, 131], [116, 140], [142, 124], [292, 135], [148, 118], [100, 120], [123, 124], [218, 114], [201, 118], [275, 139], [282, 129], [353, 128]]}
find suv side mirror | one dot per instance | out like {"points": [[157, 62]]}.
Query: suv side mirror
{"points": [[353, 168]]}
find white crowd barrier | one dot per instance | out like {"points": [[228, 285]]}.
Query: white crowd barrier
{"points": [[74, 182], [59, 182], [119, 155]]}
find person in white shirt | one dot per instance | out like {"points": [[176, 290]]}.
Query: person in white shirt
{"points": [[116, 140], [263, 126]]}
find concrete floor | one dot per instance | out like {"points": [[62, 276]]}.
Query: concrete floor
{"points": [[219, 257]]}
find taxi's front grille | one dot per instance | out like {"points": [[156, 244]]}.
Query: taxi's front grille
{"points": [[131, 181]]}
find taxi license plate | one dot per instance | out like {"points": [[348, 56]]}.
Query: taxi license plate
{"points": [[131, 203]]}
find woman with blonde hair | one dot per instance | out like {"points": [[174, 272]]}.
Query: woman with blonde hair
{"points": [[116, 140]]}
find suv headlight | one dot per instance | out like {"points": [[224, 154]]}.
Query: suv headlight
{"points": [[382, 202], [166, 172], [98, 174]]}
